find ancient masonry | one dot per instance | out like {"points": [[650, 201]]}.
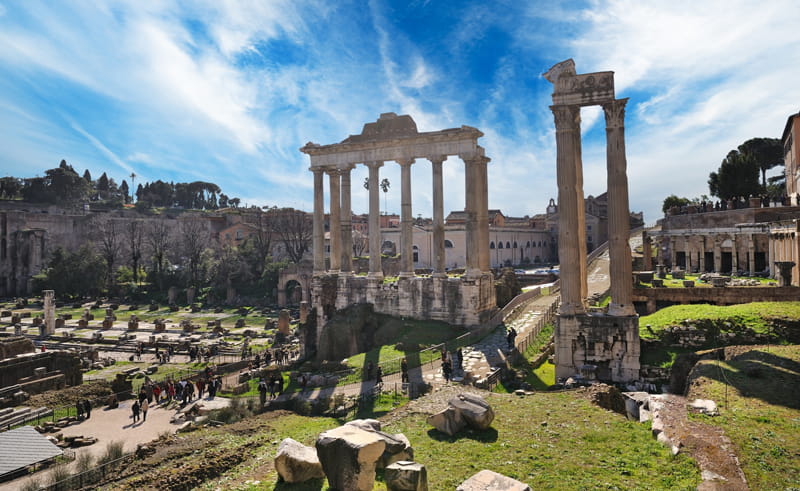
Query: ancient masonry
{"points": [[607, 344], [467, 300]]}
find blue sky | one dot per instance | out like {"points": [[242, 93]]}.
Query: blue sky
{"points": [[228, 91]]}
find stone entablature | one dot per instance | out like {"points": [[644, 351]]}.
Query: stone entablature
{"points": [[648, 300]]}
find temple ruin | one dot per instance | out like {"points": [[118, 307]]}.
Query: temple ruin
{"points": [[605, 343], [467, 300]]}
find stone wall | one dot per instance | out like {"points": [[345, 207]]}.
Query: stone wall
{"points": [[648, 300], [13, 370], [458, 301], [15, 345], [729, 218], [610, 343]]}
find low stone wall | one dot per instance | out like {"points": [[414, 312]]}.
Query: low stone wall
{"points": [[648, 300]]}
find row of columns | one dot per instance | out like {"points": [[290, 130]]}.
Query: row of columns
{"points": [[572, 221], [691, 251], [341, 245]]}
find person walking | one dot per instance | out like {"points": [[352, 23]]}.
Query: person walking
{"points": [[262, 391], [87, 408], [145, 407], [135, 410], [379, 376], [404, 371]]}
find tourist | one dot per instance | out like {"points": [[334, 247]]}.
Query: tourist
{"points": [[460, 360], [379, 376], [404, 371], [273, 383], [135, 410], [87, 408], [510, 337], [145, 406], [79, 410], [258, 360], [446, 370], [303, 382], [370, 368], [262, 391], [201, 387]]}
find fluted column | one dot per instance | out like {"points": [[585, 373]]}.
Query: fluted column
{"points": [[318, 237], [375, 267], [751, 255], [347, 221], [567, 120], [734, 256], [717, 254], [438, 215], [687, 253], [336, 220], [471, 203], [618, 212], [482, 214], [673, 256], [701, 260], [406, 220], [647, 251]]}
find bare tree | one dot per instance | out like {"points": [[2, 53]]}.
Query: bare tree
{"points": [[109, 244], [194, 238], [262, 240], [294, 228], [360, 243], [134, 235], [158, 236]]}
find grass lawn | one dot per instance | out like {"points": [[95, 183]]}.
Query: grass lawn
{"points": [[755, 315], [758, 394]]}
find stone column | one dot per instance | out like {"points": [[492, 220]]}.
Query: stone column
{"points": [[347, 221], [688, 253], [318, 237], [406, 220], [673, 256], [482, 214], [717, 254], [567, 120], [618, 213], [701, 259], [49, 312], [647, 251], [751, 255], [581, 206], [375, 267], [471, 216], [438, 216], [336, 222]]}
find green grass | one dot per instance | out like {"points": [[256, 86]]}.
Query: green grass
{"points": [[541, 377], [755, 315], [549, 441], [758, 395], [662, 357], [670, 282]]}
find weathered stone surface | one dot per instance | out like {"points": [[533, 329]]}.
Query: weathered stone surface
{"points": [[398, 447], [704, 406], [406, 476], [487, 480], [349, 456], [447, 421], [366, 424], [296, 462], [474, 409]]}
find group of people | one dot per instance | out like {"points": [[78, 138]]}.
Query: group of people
{"points": [[452, 363], [83, 407], [183, 391], [274, 387]]}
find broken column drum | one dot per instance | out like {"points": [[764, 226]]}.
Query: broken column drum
{"points": [[609, 341]]}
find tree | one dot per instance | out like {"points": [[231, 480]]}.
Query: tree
{"points": [[64, 185], [87, 176], [737, 177], [294, 228], [158, 236], [385, 184], [73, 274], [360, 243], [109, 246], [10, 187], [194, 238], [102, 186], [123, 189], [767, 153], [673, 200], [134, 235]]}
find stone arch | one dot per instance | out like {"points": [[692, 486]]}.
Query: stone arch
{"points": [[290, 281]]}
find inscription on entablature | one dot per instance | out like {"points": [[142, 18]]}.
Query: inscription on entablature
{"points": [[587, 89]]}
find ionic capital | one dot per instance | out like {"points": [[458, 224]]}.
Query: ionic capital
{"points": [[615, 113], [567, 118]]}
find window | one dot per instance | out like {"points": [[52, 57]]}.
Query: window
{"points": [[528, 245], [239, 235], [499, 245], [491, 245], [508, 245], [515, 245], [416, 253], [448, 244]]}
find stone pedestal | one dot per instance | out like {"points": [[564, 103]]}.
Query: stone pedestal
{"points": [[303, 311], [49, 312], [609, 342], [406, 476], [283, 322]]}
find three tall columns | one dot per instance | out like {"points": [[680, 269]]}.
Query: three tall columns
{"points": [[375, 268], [406, 220]]}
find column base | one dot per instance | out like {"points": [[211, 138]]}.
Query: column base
{"points": [[375, 275], [345, 273], [439, 275], [405, 274], [618, 310], [571, 309]]}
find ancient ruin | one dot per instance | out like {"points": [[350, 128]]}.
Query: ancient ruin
{"points": [[468, 300], [608, 343]]}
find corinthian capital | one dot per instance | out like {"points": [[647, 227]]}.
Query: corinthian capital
{"points": [[615, 113], [566, 117]]}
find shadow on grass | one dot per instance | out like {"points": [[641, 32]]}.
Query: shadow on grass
{"points": [[488, 435], [311, 485]]}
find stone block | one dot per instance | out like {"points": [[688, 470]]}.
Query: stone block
{"points": [[406, 476], [487, 480], [688, 283], [474, 409], [349, 457], [448, 421], [296, 462]]}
